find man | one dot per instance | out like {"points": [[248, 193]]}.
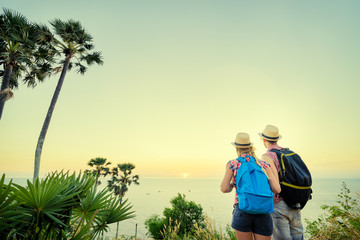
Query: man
{"points": [[286, 220]]}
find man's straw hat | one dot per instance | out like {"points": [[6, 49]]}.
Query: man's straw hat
{"points": [[270, 133], [242, 140]]}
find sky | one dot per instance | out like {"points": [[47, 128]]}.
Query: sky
{"points": [[181, 78]]}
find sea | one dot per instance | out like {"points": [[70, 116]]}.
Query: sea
{"points": [[153, 195]]}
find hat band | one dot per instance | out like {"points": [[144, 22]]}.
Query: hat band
{"points": [[273, 138], [242, 145]]}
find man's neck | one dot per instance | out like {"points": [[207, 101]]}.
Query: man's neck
{"points": [[269, 145]]}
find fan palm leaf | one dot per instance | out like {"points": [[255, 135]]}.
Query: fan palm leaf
{"points": [[9, 214], [115, 212], [47, 204], [60, 206]]}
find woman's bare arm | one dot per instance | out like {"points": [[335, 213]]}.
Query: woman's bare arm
{"points": [[226, 184]]}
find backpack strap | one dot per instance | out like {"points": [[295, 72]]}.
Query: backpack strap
{"points": [[244, 161], [281, 154], [240, 159], [280, 157]]}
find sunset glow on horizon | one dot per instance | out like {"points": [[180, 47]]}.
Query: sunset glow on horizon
{"points": [[181, 78]]}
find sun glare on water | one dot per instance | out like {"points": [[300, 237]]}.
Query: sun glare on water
{"points": [[185, 175]]}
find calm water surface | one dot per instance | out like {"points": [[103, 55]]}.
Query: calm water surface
{"points": [[154, 194]]}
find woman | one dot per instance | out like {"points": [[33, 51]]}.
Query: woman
{"points": [[248, 225]]}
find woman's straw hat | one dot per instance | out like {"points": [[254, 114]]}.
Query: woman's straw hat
{"points": [[270, 133], [242, 140]]}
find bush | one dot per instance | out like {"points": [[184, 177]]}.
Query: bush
{"points": [[341, 221], [180, 220], [155, 225]]}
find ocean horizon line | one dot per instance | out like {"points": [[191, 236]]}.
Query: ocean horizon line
{"points": [[179, 177]]}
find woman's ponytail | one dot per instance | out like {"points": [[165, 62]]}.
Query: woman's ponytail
{"points": [[252, 152]]}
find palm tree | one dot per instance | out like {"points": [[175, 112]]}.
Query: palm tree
{"points": [[100, 168], [122, 178], [73, 43], [20, 54]]}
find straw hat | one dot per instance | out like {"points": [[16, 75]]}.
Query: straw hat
{"points": [[270, 133], [242, 140]]}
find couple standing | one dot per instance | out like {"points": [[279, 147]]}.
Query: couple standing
{"points": [[284, 223]]}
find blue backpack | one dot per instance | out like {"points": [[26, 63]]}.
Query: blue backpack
{"points": [[253, 188]]}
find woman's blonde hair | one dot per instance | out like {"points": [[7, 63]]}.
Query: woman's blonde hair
{"points": [[250, 150]]}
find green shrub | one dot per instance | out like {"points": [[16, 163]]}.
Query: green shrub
{"points": [[341, 221], [186, 221], [179, 219], [155, 225]]}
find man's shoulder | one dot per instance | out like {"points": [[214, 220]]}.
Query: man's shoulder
{"points": [[271, 155], [275, 147]]}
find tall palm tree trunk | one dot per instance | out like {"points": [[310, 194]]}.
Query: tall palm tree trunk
{"points": [[4, 85], [117, 224], [48, 118]]}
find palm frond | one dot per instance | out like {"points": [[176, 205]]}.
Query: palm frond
{"points": [[46, 208], [92, 58], [70, 66], [14, 18], [37, 72], [88, 46], [90, 204], [30, 80], [84, 38], [81, 68], [16, 74], [8, 207], [22, 48], [48, 200], [44, 35], [115, 212], [71, 31]]}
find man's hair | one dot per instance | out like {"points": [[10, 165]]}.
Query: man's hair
{"points": [[271, 142]]}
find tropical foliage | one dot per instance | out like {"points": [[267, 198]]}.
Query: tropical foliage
{"points": [[121, 178], [21, 54], [100, 168], [341, 221], [186, 221], [60, 206], [183, 216]]}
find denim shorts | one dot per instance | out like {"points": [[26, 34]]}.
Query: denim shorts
{"points": [[257, 223]]}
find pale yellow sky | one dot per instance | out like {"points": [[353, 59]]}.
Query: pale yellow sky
{"points": [[181, 78]]}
